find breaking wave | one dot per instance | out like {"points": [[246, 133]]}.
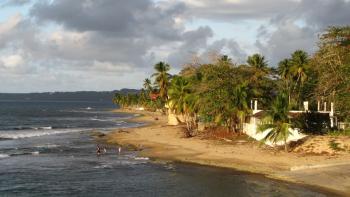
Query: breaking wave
{"points": [[35, 133]]}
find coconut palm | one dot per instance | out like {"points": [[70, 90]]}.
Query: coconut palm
{"points": [[284, 70], [225, 59], [178, 91], [299, 69], [162, 78], [240, 105], [257, 61], [299, 66], [147, 84], [277, 121], [179, 99]]}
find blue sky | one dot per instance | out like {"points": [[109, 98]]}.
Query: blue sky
{"points": [[64, 45]]}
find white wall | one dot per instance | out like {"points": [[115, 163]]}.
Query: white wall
{"points": [[251, 130]]}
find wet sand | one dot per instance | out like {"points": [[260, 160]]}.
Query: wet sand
{"points": [[160, 141]]}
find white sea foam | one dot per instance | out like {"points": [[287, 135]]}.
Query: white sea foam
{"points": [[4, 156], [47, 146], [142, 158], [34, 133], [103, 166], [45, 128], [101, 120], [35, 153]]}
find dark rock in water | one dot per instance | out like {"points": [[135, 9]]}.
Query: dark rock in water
{"points": [[98, 134], [123, 131]]}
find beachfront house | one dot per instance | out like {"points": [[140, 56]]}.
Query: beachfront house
{"points": [[253, 122]]}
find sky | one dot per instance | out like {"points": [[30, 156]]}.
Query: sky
{"points": [[65, 45]]}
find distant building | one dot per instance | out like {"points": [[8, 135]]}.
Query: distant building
{"points": [[154, 96]]}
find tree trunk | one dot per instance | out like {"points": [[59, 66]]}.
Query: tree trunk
{"points": [[285, 146], [188, 125]]}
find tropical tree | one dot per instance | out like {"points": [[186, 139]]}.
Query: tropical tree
{"points": [[257, 61], [284, 71], [147, 84], [179, 98], [162, 78], [221, 96], [259, 80], [177, 93], [295, 76], [224, 59], [299, 66], [240, 104], [332, 65], [277, 121]]}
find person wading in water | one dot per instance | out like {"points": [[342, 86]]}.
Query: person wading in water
{"points": [[98, 150]]}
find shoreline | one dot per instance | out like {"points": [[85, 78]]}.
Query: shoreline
{"points": [[157, 140]]}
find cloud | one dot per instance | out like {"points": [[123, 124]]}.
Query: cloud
{"points": [[95, 38], [193, 42], [7, 28], [287, 38], [234, 10], [11, 61], [300, 29], [14, 3], [322, 13], [109, 44], [113, 18], [109, 30]]}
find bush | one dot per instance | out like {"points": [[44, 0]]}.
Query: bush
{"points": [[335, 146], [339, 133], [312, 123]]}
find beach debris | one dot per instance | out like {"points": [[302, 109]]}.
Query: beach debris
{"points": [[123, 131], [226, 140]]}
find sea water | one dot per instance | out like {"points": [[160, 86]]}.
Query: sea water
{"points": [[46, 149]]}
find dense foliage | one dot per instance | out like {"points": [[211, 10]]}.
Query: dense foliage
{"points": [[220, 92]]}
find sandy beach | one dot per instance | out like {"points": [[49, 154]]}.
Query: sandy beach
{"points": [[160, 141]]}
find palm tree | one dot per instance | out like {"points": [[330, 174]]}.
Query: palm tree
{"points": [[278, 121], [147, 84], [178, 91], [299, 68], [260, 68], [299, 62], [225, 59], [240, 105], [179, 98], [257, 61], [284, 70], [162, 78]]}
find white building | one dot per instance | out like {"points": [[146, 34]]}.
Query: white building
{"points": [[251, 127]]}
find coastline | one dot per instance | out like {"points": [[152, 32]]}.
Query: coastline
{"points": [[159, 141]]}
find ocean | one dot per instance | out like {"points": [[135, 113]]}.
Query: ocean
{"points": [[46, 149]]}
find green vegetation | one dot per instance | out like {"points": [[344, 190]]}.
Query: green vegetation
{"points": [[219, 93], [277, 121], [335, 146], [331, 63], [162, 79], [345, 132]]}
